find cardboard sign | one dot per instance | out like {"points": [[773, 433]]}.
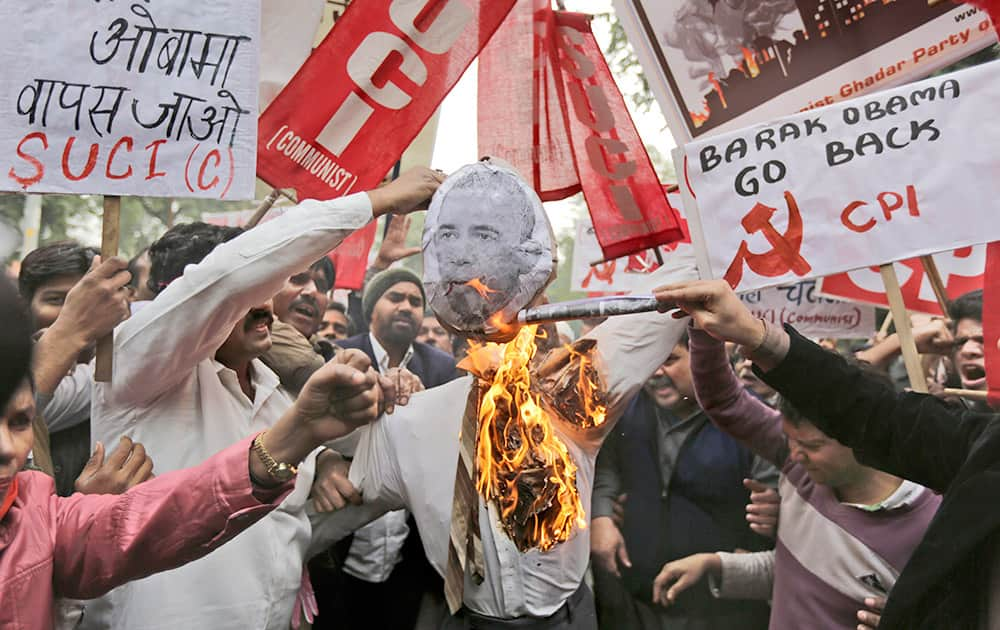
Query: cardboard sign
{"points": [[961, 271], [629, 273], [363, 95], [862, 183], [147, 98], [716, 66], [801, 305]]}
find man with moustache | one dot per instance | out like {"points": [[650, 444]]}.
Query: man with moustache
{"points": [[386, 561], [296, 352], [683, 484], [188, 380]]}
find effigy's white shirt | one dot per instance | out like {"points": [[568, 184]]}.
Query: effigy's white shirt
{"points": [[408, 459], [170, 394]]}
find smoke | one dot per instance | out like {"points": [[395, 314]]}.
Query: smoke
{"points": [[712, 34]]}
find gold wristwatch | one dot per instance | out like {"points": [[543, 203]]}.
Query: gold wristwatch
{"points": [[279, 471]]}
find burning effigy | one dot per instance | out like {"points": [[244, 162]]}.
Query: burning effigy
{"points": [[488, 254]]}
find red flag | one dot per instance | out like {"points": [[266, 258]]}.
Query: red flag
{"points": [[363, 95], [627, 205], [553, 111], [991, 321], [520, 118]]}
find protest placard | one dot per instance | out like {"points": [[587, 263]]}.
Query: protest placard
{"points": [[812, 315], [129, 98], [629, 273], [856, 184], [961, 271], [720, 66]]}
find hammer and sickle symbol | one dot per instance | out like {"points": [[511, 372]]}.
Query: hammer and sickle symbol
{"points": [[784, 254]]}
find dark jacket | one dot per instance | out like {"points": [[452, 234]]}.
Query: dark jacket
{"points": [[917, 437], [432, 366], [703, 510]]}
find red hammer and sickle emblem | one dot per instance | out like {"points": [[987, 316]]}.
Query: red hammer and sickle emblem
{"points": [[784, 255]]}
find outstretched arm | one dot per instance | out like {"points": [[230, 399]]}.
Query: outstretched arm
{"points": [[729, 404], [887, 431], [103, 541], [191, 318]]}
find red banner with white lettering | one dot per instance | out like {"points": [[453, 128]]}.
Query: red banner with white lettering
{"points": [[627, 205], [363, 95], [991, 322], [520, 117], [961, 271], [553, 110]]}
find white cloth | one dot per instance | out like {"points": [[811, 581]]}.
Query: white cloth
{"points": [[69, 404], [169, 393], [408, 459], [378, 546]]}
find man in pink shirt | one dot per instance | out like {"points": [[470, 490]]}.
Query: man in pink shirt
{"points": [[82, 546]]}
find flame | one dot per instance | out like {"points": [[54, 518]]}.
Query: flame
{"points": [[594, 411], [521, 463], [480, 287], [700, 119], [718, 90], [751, 64]]}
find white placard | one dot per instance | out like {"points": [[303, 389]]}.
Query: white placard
{"points": [[629, 273], [154, 98], [899, 174], [715, 67], [801, 305]]}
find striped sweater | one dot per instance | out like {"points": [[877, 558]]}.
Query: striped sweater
{"points": [[829, 556]]}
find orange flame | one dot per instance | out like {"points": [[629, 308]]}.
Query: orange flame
{"points": [[718, 90], [751, 63], [593, 413], [480, 287], [521, 463]]}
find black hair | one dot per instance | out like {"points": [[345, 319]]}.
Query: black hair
{"points": [[967, 306], [336, 306], [15, 341], [872, 373], [133, 269], [184, 245], [65, 258], [325, 265]]}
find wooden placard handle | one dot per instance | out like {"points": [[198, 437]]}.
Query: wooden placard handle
{"points": [[110, 231], [930, 268], [911, 358]]}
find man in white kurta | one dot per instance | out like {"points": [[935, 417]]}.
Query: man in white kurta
{"points": [[170, 393], [407, 460]]}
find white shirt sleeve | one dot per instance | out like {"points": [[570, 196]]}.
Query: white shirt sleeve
{"points": [[190, 319], [69, 404], [375, 473]]}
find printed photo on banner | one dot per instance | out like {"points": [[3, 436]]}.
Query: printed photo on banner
{"points": [[129, 98], [860, 183], [721, 65], [801, 305], [961, 271]]}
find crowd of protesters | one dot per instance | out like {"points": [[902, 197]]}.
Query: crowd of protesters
{"points": [[756, 480]]}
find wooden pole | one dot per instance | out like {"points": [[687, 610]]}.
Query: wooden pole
{"points": [[973, 394], [262, 211], [899, 315], [883, 332], [110, 231], [930, 268]]}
